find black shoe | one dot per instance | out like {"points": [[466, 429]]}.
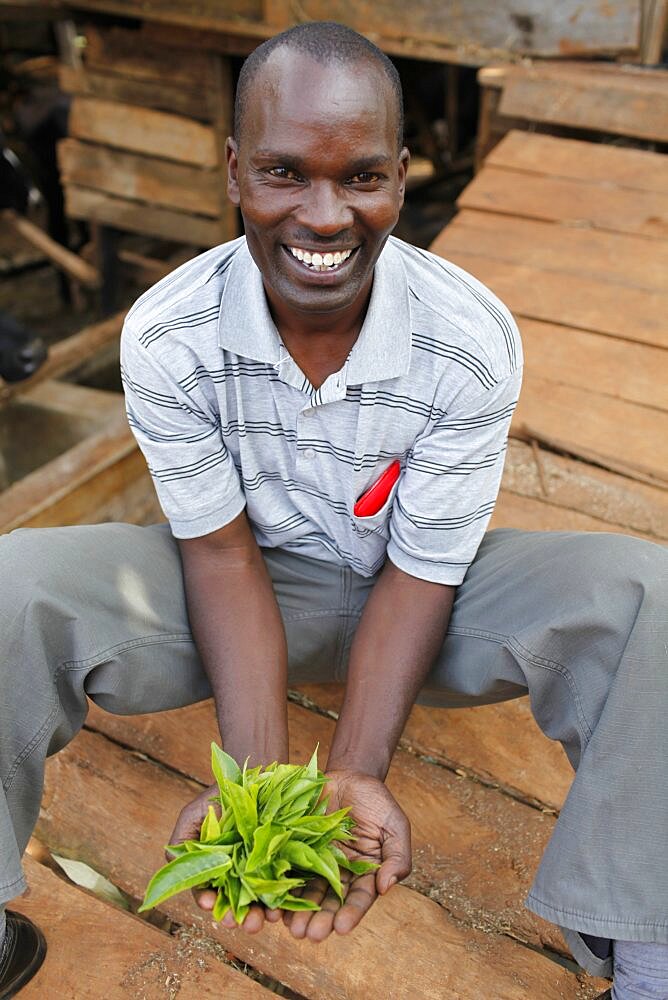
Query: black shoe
{"points": [[22, 953]]}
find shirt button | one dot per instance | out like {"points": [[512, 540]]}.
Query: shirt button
{"points": [[308, 413], [309, 453]]}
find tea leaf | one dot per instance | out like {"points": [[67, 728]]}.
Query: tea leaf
{"points": [[223, 766], [184, 872], [210, 829]]}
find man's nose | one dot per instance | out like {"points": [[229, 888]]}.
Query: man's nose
{"points": [[325, 209]]}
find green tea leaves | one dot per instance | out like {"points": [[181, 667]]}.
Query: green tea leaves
{"points": [[264, 836]]}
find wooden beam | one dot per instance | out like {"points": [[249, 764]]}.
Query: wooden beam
{"points": [[67, 354], [66, 261]]}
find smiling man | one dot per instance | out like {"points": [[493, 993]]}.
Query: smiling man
{"points": [[324, 410]]}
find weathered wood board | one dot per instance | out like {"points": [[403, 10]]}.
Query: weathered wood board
{"points": [[143, 130], [138, 217], [353, 966], [633, 104], [96, 950], [149, 179], [162, 95]]}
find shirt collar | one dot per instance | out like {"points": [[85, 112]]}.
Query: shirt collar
{"points": [[382, 350]]}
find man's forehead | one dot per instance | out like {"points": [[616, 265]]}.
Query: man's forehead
{"points": [[288, 70]]}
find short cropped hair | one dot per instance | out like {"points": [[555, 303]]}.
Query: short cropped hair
{"points": [[325, 42]]}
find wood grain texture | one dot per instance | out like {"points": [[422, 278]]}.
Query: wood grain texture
{"points": [[599, 428], [591, 102], [616, 259], [607, 500], [162, 95], [591, 162], [143, 130], [145, 798], [568, 201], [589, 304], [137, 217], [95, 950], [159, 182]]}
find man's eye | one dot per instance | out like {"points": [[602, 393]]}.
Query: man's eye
{"points": [[365, 177], [284, 173]]}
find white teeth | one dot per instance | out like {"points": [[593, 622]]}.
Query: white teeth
{"points": [[320, 262]]}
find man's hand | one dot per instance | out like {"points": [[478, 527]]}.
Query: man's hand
{"points": [[382, 834], [187, 827]]}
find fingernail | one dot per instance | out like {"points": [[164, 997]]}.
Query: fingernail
{"points": [[393, 881]]}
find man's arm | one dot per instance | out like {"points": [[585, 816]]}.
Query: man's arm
{"points": [[239, 634], [399, 636]]}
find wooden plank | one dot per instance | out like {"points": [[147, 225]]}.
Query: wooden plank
{"points": [[499, 745], [143, 178], [66, 261], [537, 514], [588, 103], [529, 28], [480, 829], [590, 162], [95, 206], [614, 500], [67, 354], [159, 94], [143, 130], [96, 950], [614, 258], [569, 201], [629, 371], [654, 22], [124, 52], [612, 310], [612, 432], [73, 485]]}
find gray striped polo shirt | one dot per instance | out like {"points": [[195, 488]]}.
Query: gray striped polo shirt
{"points": [[227, 420]]}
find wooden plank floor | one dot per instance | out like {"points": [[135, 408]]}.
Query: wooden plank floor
{"points": [[573, 237]]}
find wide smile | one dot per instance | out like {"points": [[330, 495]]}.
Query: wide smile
{"points": [[321, 262]]}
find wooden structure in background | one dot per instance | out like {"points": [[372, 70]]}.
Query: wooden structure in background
{"points": [[573, 236], [622, 100], [147, 129]]}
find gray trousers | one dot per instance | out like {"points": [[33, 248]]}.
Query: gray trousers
{"points": [[579, 621]]}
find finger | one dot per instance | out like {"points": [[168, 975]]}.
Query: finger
{"points": [[205, 898], [396, 858], [298, 920], [254, 920], [273, 916], [321, 924], [361, 896]]}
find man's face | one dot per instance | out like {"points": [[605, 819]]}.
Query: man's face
{"points": [[319, 180]]}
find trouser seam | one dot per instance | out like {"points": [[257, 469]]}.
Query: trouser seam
{"points": [[83, 664], [525, 654], [625, 921]]}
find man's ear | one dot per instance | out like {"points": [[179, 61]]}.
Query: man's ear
{"points": [[232, 155], [404, 160]]}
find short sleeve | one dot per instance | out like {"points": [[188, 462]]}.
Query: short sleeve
{"points": [[193, 472], [449, 487]]}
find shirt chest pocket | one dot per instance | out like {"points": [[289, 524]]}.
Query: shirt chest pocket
{"points": [[378, 523]]}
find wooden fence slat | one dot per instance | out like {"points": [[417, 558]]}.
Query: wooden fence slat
{"points": [[143, 130], [143, 178], [95, 950], [590, 162], [95, 206], [568, 201], [537, 514], [599, 428], [616, 311], [590, 103], [608, 499], [145, 798], [613, 258], [161, 94]]}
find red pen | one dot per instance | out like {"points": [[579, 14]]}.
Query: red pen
{"points": [[373, 499]]}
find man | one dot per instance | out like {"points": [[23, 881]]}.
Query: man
{"points": [[274, 384]]}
